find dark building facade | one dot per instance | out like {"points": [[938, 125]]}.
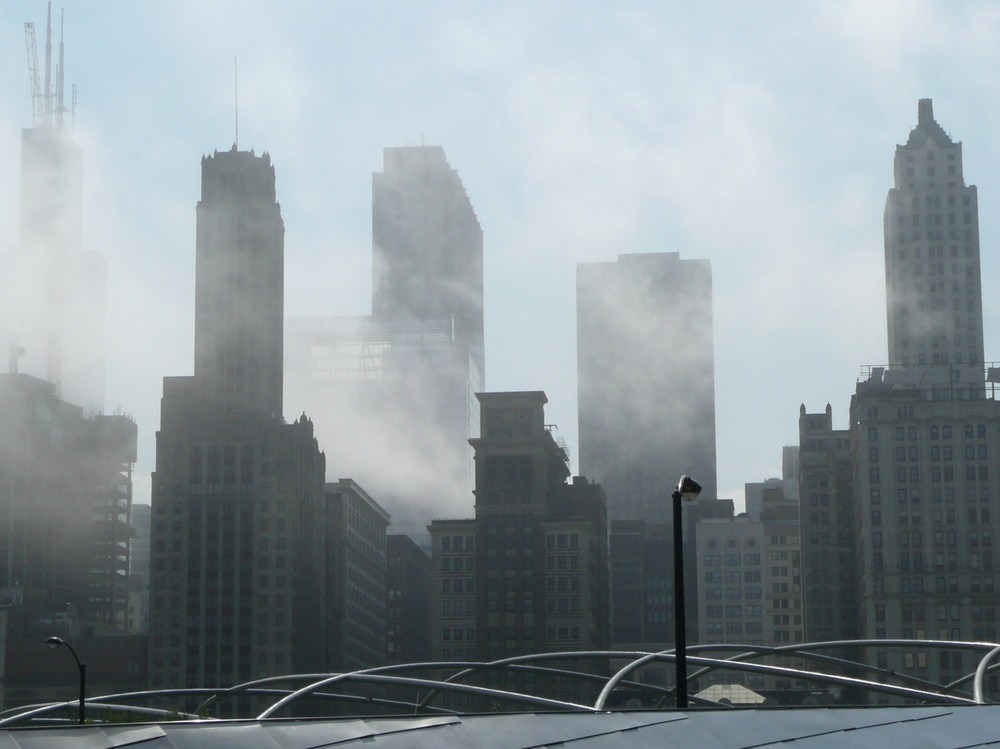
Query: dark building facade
{"points": [[355, 576], [530, 572], [827, 521], [65, 501], [238, 504], [408, 614]]}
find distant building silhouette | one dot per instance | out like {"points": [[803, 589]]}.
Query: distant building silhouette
{"points": [[413, 367], [52, 306], [239, 508], [646, 372], [427, 246], [530, 572]]}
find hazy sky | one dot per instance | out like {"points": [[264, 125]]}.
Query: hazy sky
{"points": [[757, 135]]}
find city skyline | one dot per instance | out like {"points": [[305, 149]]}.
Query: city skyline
{"points": [[576, 152]]}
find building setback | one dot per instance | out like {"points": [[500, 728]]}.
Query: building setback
{"points": [[529, 573], [239, 509], [646, 373]]}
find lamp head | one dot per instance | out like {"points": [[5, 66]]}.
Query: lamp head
{"points": [[688, 488], [54, 642]]}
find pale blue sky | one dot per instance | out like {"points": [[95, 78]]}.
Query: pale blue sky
{"points": [[757, 135]]}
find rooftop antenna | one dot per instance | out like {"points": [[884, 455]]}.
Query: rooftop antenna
{"points": [[48, 68], [60, 108], [236, 101]]}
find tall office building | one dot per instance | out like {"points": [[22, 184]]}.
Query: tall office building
{"points": [[427, 246], [415, 365], [646, 374], [925, 432], [933, 294], [52, 308], [239, 284], [239, 510]]}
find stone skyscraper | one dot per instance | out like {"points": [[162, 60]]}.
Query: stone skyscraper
{"points": [[646, 373], [933, 292], [236, 586], [925, 431], [239, 284]]}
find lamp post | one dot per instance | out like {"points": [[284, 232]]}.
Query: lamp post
{"points": [[687, 489], [57, 642]]}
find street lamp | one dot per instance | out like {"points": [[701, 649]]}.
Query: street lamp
{"points": [[57, 642], [687, 489]]}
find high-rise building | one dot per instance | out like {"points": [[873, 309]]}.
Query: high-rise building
{"points": [[925, 431], [239, 284], [933, 295], [415, 365], [646, 375], [237, 584], [52, 308], [530, 573], [427, 246]]}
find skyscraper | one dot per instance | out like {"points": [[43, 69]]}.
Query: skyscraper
{"points": [[238, 502], [414, 366], [427, 246], [239, 284], [52, 308], [646, 374], [933, 295], [925, 432]]}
